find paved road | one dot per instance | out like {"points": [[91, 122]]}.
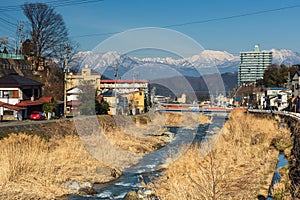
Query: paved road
{"points": [[25, 122]]}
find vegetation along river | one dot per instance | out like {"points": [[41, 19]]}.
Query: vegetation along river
{"points": [[147, 168]]}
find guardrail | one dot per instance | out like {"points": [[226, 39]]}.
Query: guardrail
{"points": [[285, 113]]}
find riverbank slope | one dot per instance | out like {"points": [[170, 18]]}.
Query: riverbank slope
{"points": [[51, 160], [236, 163]]}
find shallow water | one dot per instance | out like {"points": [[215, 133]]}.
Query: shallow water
{"points": [[146, 170], [282, 162]]}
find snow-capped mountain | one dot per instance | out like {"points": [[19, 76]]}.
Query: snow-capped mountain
{"points": [[224, 61], [207, 58], [286, 57]]}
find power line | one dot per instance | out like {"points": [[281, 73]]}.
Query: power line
{"points": [[8, 17], [232, 17], [7, 22], [8, 32], [71, 3], [97, 34], [202, 21], [57, 3], [50, 3]]}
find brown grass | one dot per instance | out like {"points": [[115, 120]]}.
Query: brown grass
{"points": [[36, 166], [237, 164], [185, 119], [31, 167]]}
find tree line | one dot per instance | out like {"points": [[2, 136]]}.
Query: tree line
{"points": [[277, 75]]}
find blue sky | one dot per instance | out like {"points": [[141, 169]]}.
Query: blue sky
{"points": [[91, 23]]}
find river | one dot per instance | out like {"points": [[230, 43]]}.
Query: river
{"points": [[146, 170]]}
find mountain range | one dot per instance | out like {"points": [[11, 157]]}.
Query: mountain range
{"points": [[152, 68]]}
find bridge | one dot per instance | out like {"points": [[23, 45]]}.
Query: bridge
{"points": [[169, 107]]}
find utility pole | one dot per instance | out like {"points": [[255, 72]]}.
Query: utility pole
{"points": [[67, 48], [116, 75], [20, 35]]}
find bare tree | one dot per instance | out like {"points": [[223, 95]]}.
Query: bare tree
{"points": [[48, 31]]}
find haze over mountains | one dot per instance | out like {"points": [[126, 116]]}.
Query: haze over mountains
{"points": [[153, 68]]}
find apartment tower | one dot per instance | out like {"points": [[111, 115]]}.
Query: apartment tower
{"points": [[253, 64]]}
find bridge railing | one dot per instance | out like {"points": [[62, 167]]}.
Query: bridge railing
{"points": [[285, 113]]}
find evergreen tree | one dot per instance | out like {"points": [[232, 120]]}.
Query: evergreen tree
{"points": [[277, 75]]}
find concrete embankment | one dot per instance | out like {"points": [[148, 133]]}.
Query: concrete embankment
{"points": [[238, 162]]}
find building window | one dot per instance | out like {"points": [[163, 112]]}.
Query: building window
{"points": [[9, 94], [15, 94]]}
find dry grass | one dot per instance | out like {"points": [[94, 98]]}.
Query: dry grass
{"points": [[35, 167], [32, 168], [236, 164], [185, 119]]}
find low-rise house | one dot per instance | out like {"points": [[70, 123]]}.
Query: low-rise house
{"points": [[126, 86], [10, 112], [21, 92], [127, 104], [14, 88], [74, 82], [33, 105], [117, 103], [276, 98], [131, 96], [295, 82], [136, 102], [72, 100]]}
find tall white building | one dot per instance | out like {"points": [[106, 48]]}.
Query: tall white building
{"points": [[253, 64]]}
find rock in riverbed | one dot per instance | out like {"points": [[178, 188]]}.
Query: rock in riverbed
{"points": [[82, 189], [131, 195], [166, 136]]}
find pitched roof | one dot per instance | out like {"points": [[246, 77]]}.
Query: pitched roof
{"points": [[74, 103], [14, 80], [109, 93], [293, 74], [124, 81], [40, 101], [10, 106]]}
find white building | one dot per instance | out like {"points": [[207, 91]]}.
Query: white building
{"points": [[126, 86], [276, 98], [296, 83], [17, 90], [253, 64]]}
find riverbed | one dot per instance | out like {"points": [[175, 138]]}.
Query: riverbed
{"points": [[148, 168]]}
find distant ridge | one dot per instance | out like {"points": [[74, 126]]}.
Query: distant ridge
{"points": [[224, 61]]}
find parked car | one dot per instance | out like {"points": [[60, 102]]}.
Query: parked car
{"points": [[37, 115]]}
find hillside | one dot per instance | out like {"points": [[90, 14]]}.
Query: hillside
{"points": [[175, 86]]}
